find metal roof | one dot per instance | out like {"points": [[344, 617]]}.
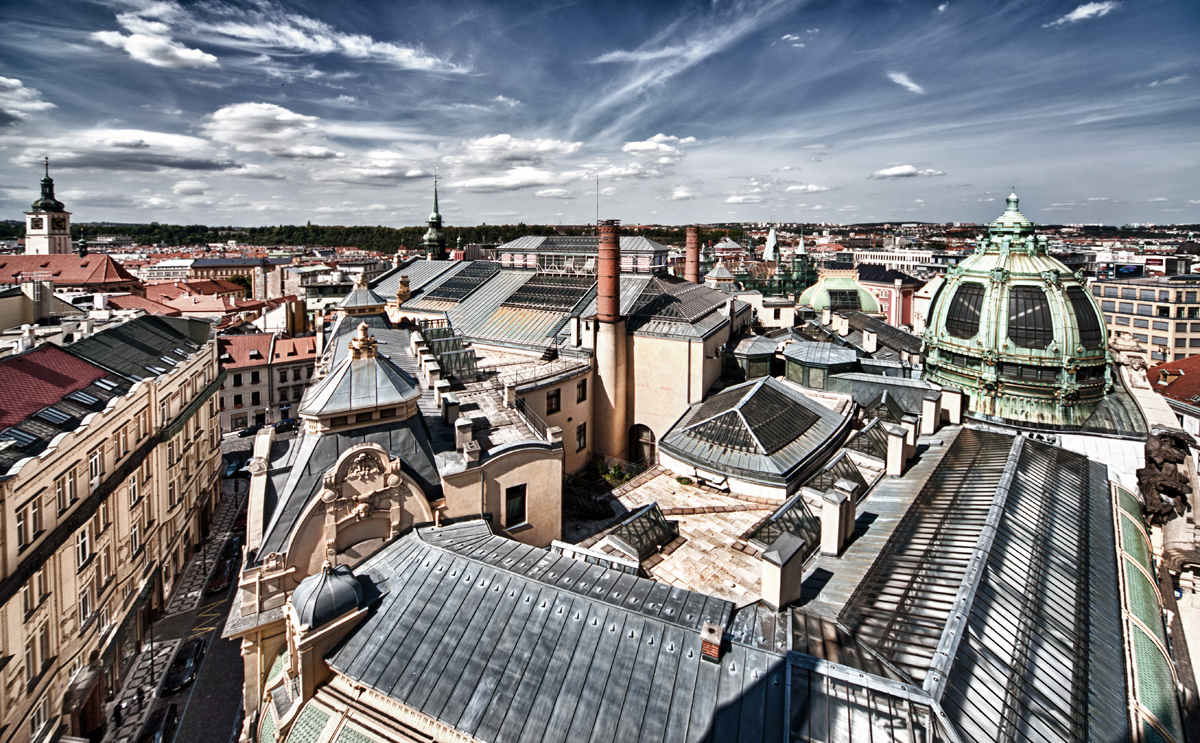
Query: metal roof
{"points": [[820, 354], [997, 592], [506, 642], [144, 347], [459, 285], [420, 273], [360, 384], [763, 429], [361, 296], [577, 244]]}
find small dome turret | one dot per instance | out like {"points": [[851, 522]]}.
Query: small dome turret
{"points": [[47, 203], [322, 598]]}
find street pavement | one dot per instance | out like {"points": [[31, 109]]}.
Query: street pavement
{"points": [[210, 709]]}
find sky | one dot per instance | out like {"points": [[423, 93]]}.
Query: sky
{"points": [[670, 112]]}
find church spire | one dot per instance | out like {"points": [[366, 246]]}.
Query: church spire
{"points": [[435, 240], [48, 203]]}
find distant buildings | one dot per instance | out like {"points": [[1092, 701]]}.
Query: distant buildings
{"points": [[1161, 314]]}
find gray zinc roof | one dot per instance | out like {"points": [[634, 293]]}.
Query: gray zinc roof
{"points": [[360, 384], [361, 296], [506, 642], [762, 431]]}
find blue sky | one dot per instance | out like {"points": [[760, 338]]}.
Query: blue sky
{"points": [[268, 112]]}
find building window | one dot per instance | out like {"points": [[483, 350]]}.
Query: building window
{"points": [[23, 534], [962, 320], [778, 313], [95, 466], [83, 547], [310, 372], [581, 437], [237, 422], [1162, 311], [106, 572], [338, 420], [170, 495], [553, 401], [297, 393], [282, 376], [295, 375], [38, 717], [283, 395], [237, 380], [364, 417], [514, 506], [237, 401], [1126, 307], [255, 377], [85, 605], [133, 490], [255, 397], [581, 390], [135, 537]]}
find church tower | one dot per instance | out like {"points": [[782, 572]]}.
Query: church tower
{"points": [[47, 224], [435, 240]]}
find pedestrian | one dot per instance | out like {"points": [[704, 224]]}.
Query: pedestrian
{"points": [[117, 715], [141, 698]]}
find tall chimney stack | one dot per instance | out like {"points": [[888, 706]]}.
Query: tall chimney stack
{"points": [[608, 285], [691, 261], [611, 430]]}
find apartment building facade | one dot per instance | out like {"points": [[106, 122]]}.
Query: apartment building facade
{"points": [[1161, 313], [266, 377], [109, 475]]}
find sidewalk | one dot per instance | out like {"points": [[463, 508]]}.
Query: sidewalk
{"points": [[132, 717], [189, 590]]}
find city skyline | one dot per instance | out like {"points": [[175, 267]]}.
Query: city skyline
{"points": [[265, 113]]}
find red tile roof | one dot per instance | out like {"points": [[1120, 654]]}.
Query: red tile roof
{"points": [[1185, 387], [240, 349], [295, 349], [173, 289], [38, 378], [67, 270]]}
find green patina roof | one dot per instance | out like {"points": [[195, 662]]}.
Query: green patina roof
{"points": [[817, 295], [309, 726], [48, 203]]}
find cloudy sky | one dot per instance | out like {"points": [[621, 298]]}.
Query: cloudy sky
{"points": [[268, 112]]}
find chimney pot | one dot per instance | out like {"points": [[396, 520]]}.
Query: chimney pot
{"points": [[710, 642]]}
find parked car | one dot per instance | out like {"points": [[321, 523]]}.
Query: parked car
{"points": [[287, 424], [231, 468], [239, 524], [233, 549], [160, 728], [249, 431], [225, 572], [184, 668]]}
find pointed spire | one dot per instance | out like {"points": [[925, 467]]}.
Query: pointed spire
{"points": [[47, 203]]}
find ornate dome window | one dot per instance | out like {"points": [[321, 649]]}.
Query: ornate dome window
{"points": [[1091, 330], [1029, 321], [962, 319]]}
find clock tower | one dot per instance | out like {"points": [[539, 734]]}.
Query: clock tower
{"points": [[47, 224]]}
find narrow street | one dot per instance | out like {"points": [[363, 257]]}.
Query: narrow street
{"points": [[209, 709]]}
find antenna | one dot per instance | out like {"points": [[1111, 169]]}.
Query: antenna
{"points": [[597, 203]]}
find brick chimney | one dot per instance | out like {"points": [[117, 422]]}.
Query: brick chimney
{"points": [[612, 433], [608, 287], [691, 265]]}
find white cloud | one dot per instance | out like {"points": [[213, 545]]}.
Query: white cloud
{"points": [[190, 188], [1086, 11], [942, 7], [744, 199], [126, 150], [1194, 201], [1169, 81], [660, 146], [904, 171], [1098, 198], [904, 80], [521, 176], [150, 41], [806, 188], [266, 127], [555, 193], [504, 149], [17, 102], [1160, 198], [607, 191], [682, 193], [789, 37], [504, 101]]}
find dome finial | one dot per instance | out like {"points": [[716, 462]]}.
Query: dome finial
{"points": [[1012, 200], [47, 166]]}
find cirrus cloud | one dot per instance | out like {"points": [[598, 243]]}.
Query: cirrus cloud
{"points": [[150, 41], [902, 79], [1086, 11]]}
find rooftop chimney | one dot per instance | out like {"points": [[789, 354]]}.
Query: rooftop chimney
{"points": [[608, 289], [691, 265]]}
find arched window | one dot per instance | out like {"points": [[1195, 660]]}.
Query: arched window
{"points": [[1029, 322], [962, 319]]}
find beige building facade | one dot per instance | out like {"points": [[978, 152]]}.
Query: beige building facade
{"points": [[99, 521]]}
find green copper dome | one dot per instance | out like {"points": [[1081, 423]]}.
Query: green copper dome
{"points": [[839, 290], [48, 203], [1017, 331]]}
